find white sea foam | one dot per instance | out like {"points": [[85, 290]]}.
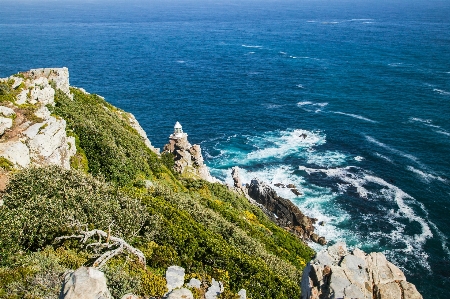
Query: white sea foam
{"points": [[361, 20], [326, 159], [300, 86], [181, 61], [250, 46], [443, 132], [393, 150], [426, 122], [442, 92], [356, 116], [282, 53], [359, 179], [285, 143], [311, 107], [384, 157], [427, 177], [359, 158]]}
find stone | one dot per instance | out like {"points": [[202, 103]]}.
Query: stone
{"points": [[16, 152], [242, 294], [85, 283], [5, 124], [194, 283], [236, 177], [410, 291], [6, 111], [17, 82], [338, 273], [174, 277], [130, 296], [148, 184], [60, 76], [287, 214], [182, 293], [390, 290], [214, 290]]}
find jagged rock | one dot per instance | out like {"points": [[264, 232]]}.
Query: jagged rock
{"points": [[60, 76], [42, 140], [214, 290], [85, 283], [188, 158], [182, 293], [336, 273], [194, 283], [16, 152], [174, 277], [236, 177], [288, 214], [296, 192], [5, 124]]}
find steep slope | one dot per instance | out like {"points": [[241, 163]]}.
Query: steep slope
{"points": [[118, 183]]}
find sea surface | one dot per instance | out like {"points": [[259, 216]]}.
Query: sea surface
{"points": [[348, 100]]}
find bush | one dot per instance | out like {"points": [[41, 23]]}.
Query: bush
{"points": [[40, 203], [113, 148]]}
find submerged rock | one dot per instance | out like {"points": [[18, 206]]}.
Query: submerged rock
{"points": [[337, 273]]}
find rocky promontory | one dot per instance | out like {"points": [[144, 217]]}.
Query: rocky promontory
{"points": [[281, 210], [338, 273], [188, 158]]}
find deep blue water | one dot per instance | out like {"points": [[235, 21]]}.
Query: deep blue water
{"points": [[367, 82]]}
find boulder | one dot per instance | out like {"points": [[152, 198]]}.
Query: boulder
{"points": [[194, 283], [214, 290], [338, 273], [174, 277], [85, 283], [16, 152], [242, 294], [5, 124], [182, 293], [6, 111]]}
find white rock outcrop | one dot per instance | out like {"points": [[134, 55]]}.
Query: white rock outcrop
{"points": [[40, 140], [337, 273], [174, 277], [85, 283]]}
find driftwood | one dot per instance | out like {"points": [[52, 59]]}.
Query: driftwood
{"points": [[114, 245]]}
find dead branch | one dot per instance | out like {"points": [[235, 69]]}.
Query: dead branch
{"points": [[111, 241]]}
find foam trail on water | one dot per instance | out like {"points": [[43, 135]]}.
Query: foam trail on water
{"points": [[441, 92], [356, 116], [427, 177], [395, 151], [384, 157]]}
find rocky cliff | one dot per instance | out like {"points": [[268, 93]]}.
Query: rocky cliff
{"points": [[338, 273], [29, 134], [188, 158]]}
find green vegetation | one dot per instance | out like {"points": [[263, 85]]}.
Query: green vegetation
{"points": [[5, 163], [203, 227]]}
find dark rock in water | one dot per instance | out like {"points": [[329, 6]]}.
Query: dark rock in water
{"points": [[292, 186], [322, 223], [296, 192], [279, 185], [288, 214], [322, 241]]}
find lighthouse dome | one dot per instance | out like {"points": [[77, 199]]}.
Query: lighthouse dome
{"points": [[177, 126]]}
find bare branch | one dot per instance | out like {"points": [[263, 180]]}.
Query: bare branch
{"points": [[111, 241]]}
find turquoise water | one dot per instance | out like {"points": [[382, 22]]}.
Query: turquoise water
{"points": [[368, 83]]}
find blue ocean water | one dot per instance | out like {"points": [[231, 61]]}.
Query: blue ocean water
{"points": [[348, 100]]}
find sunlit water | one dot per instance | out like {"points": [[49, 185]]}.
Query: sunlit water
{"points": [[349, 101]]}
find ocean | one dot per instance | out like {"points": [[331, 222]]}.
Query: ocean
{"points": [[347, 100]]}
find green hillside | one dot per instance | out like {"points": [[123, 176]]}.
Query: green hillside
{"points": [[119, 185]]}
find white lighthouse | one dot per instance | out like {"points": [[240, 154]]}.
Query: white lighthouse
{"points": [[178, 131]]}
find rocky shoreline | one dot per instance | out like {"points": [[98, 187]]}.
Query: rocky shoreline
{"points": [[30, 136]]}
